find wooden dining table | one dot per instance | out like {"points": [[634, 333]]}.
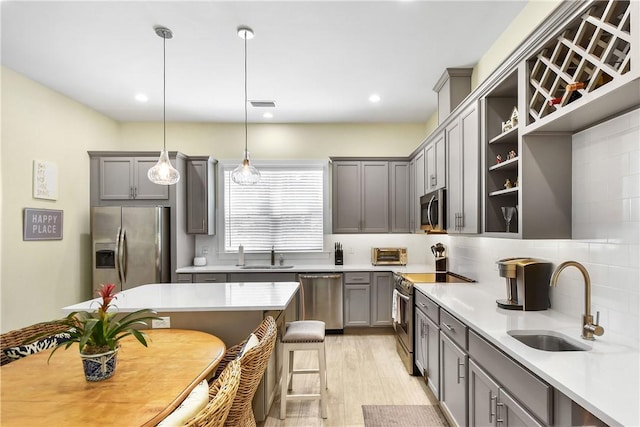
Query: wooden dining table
{"points": [[149, 382]]}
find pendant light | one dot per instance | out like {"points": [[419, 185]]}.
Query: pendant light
{"points": [[163, 172], [245, 173]]}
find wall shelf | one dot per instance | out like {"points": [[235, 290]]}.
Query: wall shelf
{"points": [[507, 191], [510, 164], [506, 137]]}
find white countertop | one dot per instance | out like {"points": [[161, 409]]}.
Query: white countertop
{"points": [[171, 297], [307, 268], [604, 380]]}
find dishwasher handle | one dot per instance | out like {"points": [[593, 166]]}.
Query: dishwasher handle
{"points": [[328, 276]]}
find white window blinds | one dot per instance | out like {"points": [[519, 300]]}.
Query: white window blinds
{"points": [[284, 209]]}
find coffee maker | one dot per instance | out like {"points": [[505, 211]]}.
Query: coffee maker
{"points": [[527, 283]]}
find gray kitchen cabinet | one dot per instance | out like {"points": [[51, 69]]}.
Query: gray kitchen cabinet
{"points": [[420, 342], [262, 277], [185, 277], [210, 278], [453, 380], [413, 198], [420, 190], [399, 196], [357, 307], [435, 163], [201, 195], [490, 404], [483, 395], [357, 298], [360, 196], [382, 292], [463, 191], [428, 333], [125, 178]]}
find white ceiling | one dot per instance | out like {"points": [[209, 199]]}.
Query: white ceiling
{"points": [[318, 60]]}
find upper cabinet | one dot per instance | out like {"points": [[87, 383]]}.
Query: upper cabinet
{"points": [[463, 195], [360, 196], [400, 196], [435, 164], [201, 195], [125, 178]]}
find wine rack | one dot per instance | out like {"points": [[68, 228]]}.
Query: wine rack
{"points": [[589, 53]]}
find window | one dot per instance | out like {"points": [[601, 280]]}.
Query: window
{"points": [[284, 210]]}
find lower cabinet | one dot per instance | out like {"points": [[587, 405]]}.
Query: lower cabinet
{"points": [[426, 350], [381, 299], [357, 309], [453, 380], [490, 404], [367, 298]]}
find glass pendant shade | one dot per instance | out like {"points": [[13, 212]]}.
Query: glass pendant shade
{"points": [[163, 172], [245, 173]]}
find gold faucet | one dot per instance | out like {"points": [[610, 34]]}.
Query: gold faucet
{"points": [[589, 329]]}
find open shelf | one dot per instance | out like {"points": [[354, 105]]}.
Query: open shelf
{"points": [[510, 164], [509, 136], [506, 191]]}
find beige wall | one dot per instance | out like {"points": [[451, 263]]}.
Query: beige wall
{"points": [[38, 278], [277, 141]]}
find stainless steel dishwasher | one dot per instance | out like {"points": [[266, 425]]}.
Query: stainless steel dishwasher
{"points": [[323, 299]]}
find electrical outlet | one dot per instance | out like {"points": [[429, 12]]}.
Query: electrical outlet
{"points": [[205, 251], [350, 250], [163, 322]]}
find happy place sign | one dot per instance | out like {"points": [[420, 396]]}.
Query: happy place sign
{"points": [[42, 224]]}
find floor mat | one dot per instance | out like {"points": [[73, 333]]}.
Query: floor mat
{"points": [[403, 416]]}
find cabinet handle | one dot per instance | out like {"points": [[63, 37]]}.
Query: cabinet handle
{"points": [[491, 399], [131, 192], [498, 414], [448, 327], [210, 280], [135, 192], [423, 305], [460, 377], [434, 180]]}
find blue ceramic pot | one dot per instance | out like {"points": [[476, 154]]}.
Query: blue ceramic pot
{"points": [[98, 367]]}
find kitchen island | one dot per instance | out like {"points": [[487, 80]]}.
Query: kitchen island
{"points": [[230, 311]]}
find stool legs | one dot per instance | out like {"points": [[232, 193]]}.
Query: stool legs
{"points": [[286, 380]]}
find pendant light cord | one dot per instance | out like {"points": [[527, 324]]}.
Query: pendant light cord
{"points": [[245, 96], [164, 92]]}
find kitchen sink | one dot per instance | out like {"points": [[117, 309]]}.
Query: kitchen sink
{"points": [[265, 267], [548, 340]]}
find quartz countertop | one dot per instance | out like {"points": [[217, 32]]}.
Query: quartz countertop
{"points": [[604, 380], [298, 268], [172, 297]]}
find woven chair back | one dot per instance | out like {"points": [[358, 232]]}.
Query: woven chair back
{"points": [[17, 337], [221, 395]]}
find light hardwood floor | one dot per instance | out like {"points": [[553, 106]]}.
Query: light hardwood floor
{"points": [[363, 369]]}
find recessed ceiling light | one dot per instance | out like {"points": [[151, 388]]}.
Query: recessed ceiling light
{"points": [[267, 115], [141, 97], [374, 98]]}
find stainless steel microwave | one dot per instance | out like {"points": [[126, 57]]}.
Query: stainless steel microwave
{"points": [[433, 212]]}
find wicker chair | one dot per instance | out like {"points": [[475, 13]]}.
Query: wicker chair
{"points": [[18, 337], [221, 394], [253, 364]]}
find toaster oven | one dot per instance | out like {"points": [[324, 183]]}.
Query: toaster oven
{"points": [[389, 256]]}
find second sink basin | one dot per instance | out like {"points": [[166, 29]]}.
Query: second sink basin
{"points": [[548, 340]]}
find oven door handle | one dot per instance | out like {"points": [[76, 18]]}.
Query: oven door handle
{"points": [[406, 298]]}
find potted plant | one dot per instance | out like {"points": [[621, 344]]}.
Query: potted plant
{"points": [[98, 334]]}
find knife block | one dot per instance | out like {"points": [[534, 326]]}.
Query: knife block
{"points": [[339, 257]]}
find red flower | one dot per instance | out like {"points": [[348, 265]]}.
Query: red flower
{"points": [[107, 294]]}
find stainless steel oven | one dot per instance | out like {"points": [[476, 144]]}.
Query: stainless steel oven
{"points": [[403, 319]]}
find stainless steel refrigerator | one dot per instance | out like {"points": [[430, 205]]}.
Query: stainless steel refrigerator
{"points": [[130, 245]]}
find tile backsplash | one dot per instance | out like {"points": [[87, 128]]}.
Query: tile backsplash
{"points": [[605, 231]]}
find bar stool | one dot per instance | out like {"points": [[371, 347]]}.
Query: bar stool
{"points": [[303, 335]]}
